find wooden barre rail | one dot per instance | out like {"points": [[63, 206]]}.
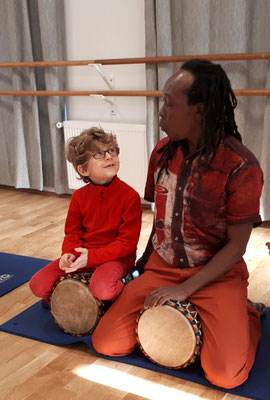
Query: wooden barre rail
{"points": [[114, 93], [141, 60]]}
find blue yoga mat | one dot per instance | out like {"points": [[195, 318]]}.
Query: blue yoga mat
{"points": [[16, 270], [36, 323]]}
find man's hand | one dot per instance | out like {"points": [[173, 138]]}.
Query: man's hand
{"points": [[81, 261], [66, 260], [160, 296]]}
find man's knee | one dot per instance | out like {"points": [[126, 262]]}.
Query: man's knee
{"points": [[102, 343], [225, 376], [105, 342]]}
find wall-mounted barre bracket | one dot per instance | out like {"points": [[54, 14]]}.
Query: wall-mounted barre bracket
{"points": [[107, 99], [109, 82]]}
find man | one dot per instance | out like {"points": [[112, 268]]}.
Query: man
{"points": [[206, 186]]}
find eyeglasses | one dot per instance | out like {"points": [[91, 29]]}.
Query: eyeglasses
{"points": [[98, 155]]}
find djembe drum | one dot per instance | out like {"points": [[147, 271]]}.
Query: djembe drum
{"points": [[170, 335], [74, 309]]}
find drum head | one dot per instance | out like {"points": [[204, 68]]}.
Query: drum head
{"points": [[166, 336], [73, 307]]}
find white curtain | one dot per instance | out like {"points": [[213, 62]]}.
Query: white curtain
{"points": [[188, 27], [31, 147]]}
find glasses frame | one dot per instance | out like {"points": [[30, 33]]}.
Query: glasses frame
{"points": [[114, 149]]}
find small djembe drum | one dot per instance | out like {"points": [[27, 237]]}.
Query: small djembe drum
{"points": [[170, 335], [74, 309]]}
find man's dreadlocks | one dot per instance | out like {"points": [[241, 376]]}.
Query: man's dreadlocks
{"points": [[212, 88]]}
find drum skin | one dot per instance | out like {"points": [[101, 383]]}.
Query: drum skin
{"points": [[74, 309], [170, 335]]}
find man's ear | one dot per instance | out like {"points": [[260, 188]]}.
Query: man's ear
{"points": [[199, 109], [81, 171]]}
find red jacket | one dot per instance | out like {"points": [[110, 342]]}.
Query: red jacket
{"points": [[104, 220]]}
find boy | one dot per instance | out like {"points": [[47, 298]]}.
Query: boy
{"points": [[103, 222]]}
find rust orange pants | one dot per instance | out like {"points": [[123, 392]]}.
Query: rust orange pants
{"points": [[231, 326]]}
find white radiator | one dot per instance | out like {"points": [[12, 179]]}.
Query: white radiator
{"points": [[133, 155]]}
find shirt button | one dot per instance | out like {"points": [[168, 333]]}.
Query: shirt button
{"points": [[176, 214], [187, 162], [181, 260], [180, 188], [176, 238]]}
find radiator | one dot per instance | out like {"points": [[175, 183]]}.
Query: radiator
{"points": [[131, 139]]}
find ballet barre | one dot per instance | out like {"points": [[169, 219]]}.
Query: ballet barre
{"points": [[117, 93], [139, 60]]}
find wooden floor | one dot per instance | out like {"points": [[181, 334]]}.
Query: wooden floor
{"points": [[32, 225]]}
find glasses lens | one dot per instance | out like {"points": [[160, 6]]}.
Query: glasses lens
{"points": [[113, 151], [98, 154]]}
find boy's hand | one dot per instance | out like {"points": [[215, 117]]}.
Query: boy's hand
{"points": [[66, 260], [81, 261]]}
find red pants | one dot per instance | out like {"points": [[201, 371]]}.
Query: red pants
{"points": [[105, 281], [231, 326]]}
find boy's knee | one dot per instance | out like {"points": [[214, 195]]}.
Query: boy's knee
{"points": [[34, 286], [106, 289], [37, 288], [42, 281]]}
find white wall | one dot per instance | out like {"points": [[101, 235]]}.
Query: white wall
{"points": [[100, 29]]}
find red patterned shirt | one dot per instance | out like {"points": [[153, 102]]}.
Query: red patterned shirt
{"points": [[190, 219]]}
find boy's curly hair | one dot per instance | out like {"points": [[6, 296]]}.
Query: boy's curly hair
{"points": [[78, 148]]}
